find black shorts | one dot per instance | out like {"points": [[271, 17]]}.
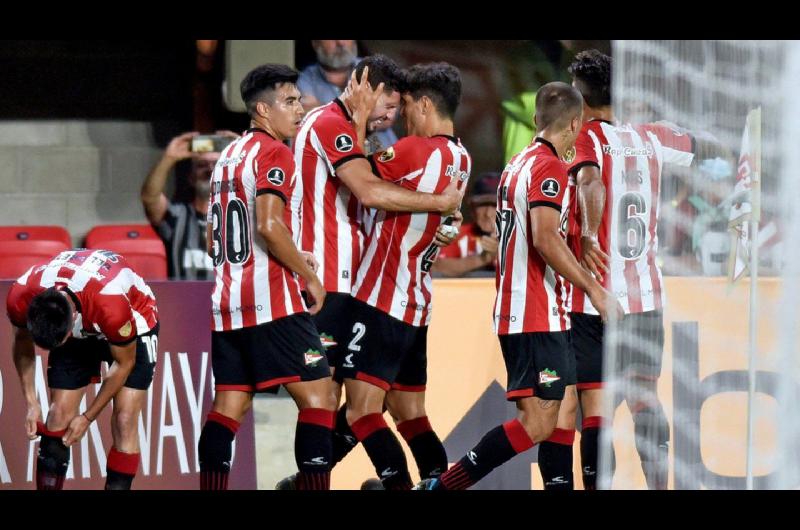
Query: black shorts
{"points": [[384, 351], [263, 357], [640, 346], [335, 328], [77, 363], [537, 364]]}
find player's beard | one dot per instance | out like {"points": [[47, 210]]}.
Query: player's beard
{"points": [[340, 59]]}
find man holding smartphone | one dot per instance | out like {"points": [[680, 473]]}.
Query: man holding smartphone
{"points": [[182, 225]]}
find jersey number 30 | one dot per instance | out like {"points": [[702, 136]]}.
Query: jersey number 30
{"points": [[230, 239]]}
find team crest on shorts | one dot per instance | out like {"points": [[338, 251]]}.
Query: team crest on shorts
{"points": [[276, 176], [312, 357], [548, 377], [550, 187], [387, 155], [343, 143], [327, 340]]}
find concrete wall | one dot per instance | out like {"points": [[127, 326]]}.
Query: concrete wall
{"points": [[74, 173]]}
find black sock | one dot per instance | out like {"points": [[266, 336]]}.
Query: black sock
{"points": [[312, 448], [425, 445], [214, 451], [344, 440], [384, 450], [121, 469], [52, 462], [555, 460], [497, 446], [652, 443]]}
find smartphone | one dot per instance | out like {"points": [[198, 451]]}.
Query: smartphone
{"points": [[210, 143]]}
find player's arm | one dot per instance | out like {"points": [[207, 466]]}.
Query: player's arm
{"points": [[592, 201], [25, 363], [269, 217], [376, 193], [124, 356], [547, 240]]}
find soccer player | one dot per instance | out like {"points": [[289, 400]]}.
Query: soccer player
{"points": [[386, 355], [534, 266], [263, 335], [617, 174], [335, 180], [85, 307]]}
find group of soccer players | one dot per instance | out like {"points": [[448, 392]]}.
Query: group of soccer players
{"points": [[322, 259]]}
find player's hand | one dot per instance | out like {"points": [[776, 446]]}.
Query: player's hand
{"points": [[179, 148], [608, 307], [316, 295], [592, 257], [447, 233], [489, 245], [32, 419], [76, 429], [310, 260], [451, 197], [362, 97]]}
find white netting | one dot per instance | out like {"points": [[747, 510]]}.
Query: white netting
{"points": [[709, 88]]}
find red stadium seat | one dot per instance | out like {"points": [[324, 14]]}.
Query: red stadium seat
{"points": [[38, 233], [18, 256], [140, 245], [24, 246]]}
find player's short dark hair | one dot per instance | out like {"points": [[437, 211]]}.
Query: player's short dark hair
{"points": [[557, 104], [591, 70], [382, 70], [441, 82], [49, 318], [259, 82]]}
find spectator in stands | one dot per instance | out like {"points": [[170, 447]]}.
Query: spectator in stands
{"points": [[475, 249], [323, 81], [182, 225]]}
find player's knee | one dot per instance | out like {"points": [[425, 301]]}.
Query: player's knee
{"points": [[126, 424], [405, 409], [538, 423], [651, 429], [59, 416]]}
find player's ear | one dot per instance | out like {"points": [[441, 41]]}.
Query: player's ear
{"points": [[262, 109]]}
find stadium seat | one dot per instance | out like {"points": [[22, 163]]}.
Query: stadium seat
{"points": [[140, 245], [18, 256], [38, 233], [24, 246]]}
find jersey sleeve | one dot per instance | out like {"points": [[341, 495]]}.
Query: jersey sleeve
{"points": [[547, 184], [398, 161], [586, 152], [677, 146], [115, 319], [17, 302], [337, 142], [274, 170]]}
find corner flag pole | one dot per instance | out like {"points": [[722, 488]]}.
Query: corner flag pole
{"points": [[755, 198]]}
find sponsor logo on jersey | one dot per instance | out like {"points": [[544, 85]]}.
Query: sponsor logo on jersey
{"points": [[647, 151], [125, 330], [548, 377], [451, 172], [550, 188], [312, 357], [276, 176], [387, 155], [343, 143]]}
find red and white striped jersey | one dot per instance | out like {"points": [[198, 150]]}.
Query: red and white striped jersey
{"points": [[531, 296], [251, 286], [328, 221], [394, 275], [468, 243], [113, 302], [631, 159]]}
